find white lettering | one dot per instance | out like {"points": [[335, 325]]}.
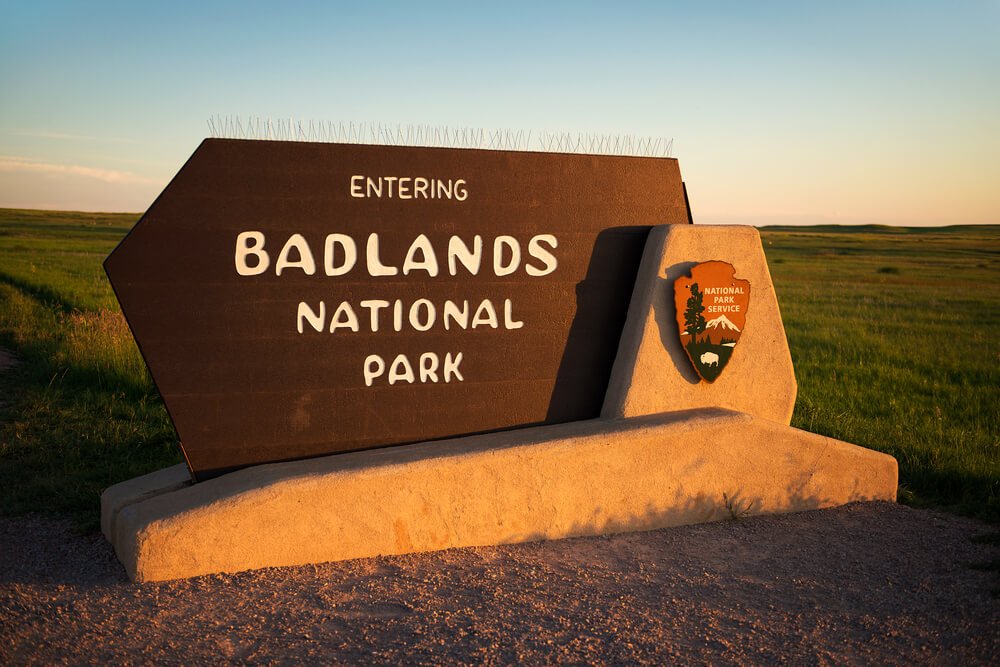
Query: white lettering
{"points": [[315, 320], [428, 320], [373, 306], [459, 252], [421, 315], [408, 187], [329, 252], [420, 187], [428, 367], [305, 261], [404, 187], [375, 265], [356, 190], [499, 243], [508, 316], [344, 317], [374, 367], [245, 248], [444, 189], [401, 370], [536, 250], [428, 263], [391, 180], [485, 314], [453, 314], [340, 256], [451, 367], [397, 315]]}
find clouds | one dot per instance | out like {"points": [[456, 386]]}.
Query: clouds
{"points": [[27, 183], [67, 136], [12, 164]]}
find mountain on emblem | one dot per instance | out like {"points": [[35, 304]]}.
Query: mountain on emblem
{"points": [[711, 315], [722, 322]]}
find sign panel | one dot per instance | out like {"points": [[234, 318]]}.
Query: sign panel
{"points": [[711, 308], [297, 299]]}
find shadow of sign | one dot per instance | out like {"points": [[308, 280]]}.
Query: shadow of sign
{"points": [[582, 380]]}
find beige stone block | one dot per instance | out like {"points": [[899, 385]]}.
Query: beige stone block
{"points": [[652, 373], [136, 489], [582, 478]]}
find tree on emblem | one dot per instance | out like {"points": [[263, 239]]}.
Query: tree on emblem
{"points": [[694, 317]]}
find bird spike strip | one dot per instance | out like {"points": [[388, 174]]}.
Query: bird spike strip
{"points": [[288, 129]]}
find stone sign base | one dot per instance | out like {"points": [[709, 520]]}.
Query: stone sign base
{"points": [[581, 478], [653, 374]]}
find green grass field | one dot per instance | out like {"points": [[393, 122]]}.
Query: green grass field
{"points": [[895, 334], [79, 410]]}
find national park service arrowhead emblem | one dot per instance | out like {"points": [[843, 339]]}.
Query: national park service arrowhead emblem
{"points": [[711, 314]]}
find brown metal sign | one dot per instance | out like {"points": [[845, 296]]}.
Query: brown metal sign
{"points": [[297, 299], [711, 308]]}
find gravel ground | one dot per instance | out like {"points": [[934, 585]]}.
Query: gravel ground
{"points": [[865, 583]]}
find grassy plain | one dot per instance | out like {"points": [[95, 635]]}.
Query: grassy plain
{"points": [[895, 337], [895, 334], [79, 411]]}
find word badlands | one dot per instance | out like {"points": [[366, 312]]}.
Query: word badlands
{"points": [[341, 254]]}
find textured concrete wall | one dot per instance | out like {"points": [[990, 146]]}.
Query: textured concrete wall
{"points": [[652, 372], [582, 478]]}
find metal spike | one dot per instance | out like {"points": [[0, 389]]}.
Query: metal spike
{"points": [[419, 134]]}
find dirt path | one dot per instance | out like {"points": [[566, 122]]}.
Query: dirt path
{"points": [[871, 583]]}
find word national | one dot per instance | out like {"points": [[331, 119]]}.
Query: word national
{"points": [[421, 315]]}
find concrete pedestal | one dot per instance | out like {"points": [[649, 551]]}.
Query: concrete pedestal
{"points": [[583, 478], [652, 372]]}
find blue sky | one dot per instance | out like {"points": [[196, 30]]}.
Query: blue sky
{"points": [[780, 112]]}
